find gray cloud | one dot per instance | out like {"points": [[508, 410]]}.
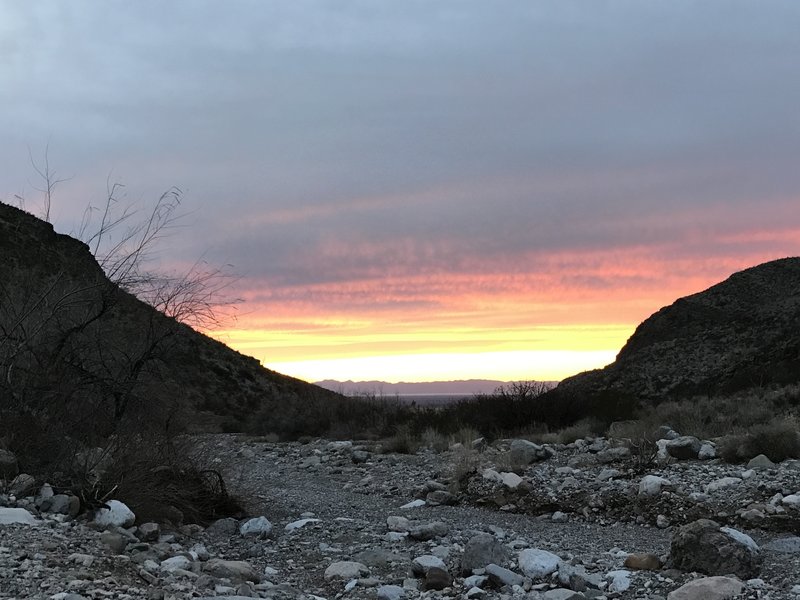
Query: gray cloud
{"points": [[412, 137]]}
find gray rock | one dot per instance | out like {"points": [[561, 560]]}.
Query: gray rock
{"points": [[481, 550], [684, 448], [60, 504], [502, 576], [399, 524], [148, 532], [707, 451], [223, 527], [614, 454], [346, 569], [8, 464], [421, 564], [440, 497], [390, 592], [576, 578], [524, 452], [359, 456], [437, 579], [116, 542], [235, 570], [562, 594], [708, 588], [705, 547], [787, 545], [760, 462], [428, 531]]}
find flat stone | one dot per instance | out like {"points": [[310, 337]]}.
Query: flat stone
{"points": [[502, 576], [346, 569], [708, 588], [421, 564], [235, 570], [787, 545], [390, 592], [14, 516]]}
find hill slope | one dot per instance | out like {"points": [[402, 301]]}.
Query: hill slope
{"points": [[70, 340], [739, 334]]}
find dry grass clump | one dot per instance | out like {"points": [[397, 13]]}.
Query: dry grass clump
{"points": [[464, 465], [778, 440], [434, 440], [404, 441]]}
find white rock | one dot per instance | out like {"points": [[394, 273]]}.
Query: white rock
{"points": [[258, 526], [176, 563], [651, 485], [116, 515], [511, 480], [294, 525], [390, 592], [619, 581], [491, 475], [793, 500], [721, 484], [740, 537], [414, 504], [707, 451], [12, 516], [536, 563], [396, 523]]}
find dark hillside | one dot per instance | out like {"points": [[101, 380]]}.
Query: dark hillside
{"points": [[740, 334], [72, 341]]}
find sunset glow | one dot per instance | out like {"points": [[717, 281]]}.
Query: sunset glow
{"points": [[421, 190]]}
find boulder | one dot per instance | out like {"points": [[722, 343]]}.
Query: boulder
{"points": [[524, 452], [536, 563], [705, 547], [684, 447], [481, 550], [400, 524], [708, 588], [116, 515], [148, 532]]}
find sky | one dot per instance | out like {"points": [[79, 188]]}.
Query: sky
{"points": [[415, 190]]}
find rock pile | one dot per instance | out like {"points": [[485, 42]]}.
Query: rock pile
{"points": [[580, 521]]}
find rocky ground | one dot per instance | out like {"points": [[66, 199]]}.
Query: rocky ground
{"points": [[504, 520]]}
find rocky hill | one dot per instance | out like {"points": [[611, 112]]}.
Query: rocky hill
{"points": [[739, 334], [72, 341]]}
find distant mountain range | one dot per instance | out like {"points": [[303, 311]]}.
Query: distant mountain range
{"points": [[465, 387]]}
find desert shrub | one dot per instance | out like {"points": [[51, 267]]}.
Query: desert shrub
{"points": [[434, 440], [158, 480], [640, 437], [404, 441], [464, 465], [582, 429], [778, 440]]}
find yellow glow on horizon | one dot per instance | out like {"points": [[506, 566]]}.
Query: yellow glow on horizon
{"points": [[542, 365]]}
